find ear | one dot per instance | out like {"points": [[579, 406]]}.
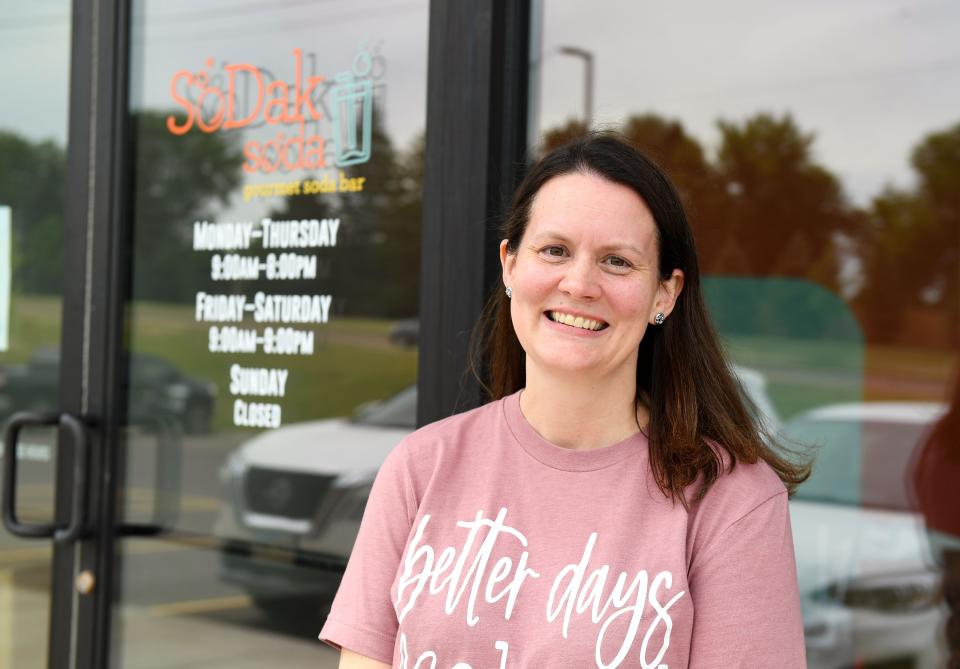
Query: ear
{"points": [[667, 293], [507, 261]]}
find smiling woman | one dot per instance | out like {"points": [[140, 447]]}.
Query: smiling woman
{"points": [[597, 230], [615, 501], [579, 306]]}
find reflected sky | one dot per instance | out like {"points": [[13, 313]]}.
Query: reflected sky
{"points": [[870, 78]]}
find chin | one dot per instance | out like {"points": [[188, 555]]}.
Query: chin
{"points": [[556, 361]]}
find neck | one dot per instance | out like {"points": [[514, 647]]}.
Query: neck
{"points": [[577, 412]]}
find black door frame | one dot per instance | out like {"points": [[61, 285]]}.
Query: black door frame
{"points": [[93, 322], [476, 146], [475, 153]]}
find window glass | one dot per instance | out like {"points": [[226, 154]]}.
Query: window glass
{"points": [[815, 146], [275, 195], [33, 143]]}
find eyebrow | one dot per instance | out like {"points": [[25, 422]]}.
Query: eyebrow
{"points": [[606, 247]]}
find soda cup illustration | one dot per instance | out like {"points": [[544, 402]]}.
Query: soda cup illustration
{"points": [[352, 112]]}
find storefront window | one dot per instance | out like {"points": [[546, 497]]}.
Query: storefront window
{"points": [[275, 199], [816, 150], [33, 146]]}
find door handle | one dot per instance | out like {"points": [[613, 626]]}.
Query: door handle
{"points": [[73, 425]]}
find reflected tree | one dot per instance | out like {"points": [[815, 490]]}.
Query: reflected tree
{"points": [[177, 180], [911, 247], [375, 268], [786, 211], [937, 161], [32, 184], [891, 249], [560, 135], [382, 232]]}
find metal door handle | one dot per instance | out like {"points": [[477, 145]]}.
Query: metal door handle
{"points": [[78, 434]]}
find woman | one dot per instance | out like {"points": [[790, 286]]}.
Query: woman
{"points": [[615, 505]]}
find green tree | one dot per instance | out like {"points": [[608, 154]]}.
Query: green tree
{"points": [[32, 184], [176, 180]]}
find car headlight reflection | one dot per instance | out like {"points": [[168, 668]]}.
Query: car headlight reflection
{"points": [[895, 594]]}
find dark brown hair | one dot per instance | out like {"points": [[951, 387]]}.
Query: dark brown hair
{"points": [[682, 373]]}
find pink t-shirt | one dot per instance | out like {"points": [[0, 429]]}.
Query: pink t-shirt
{"points": [[485, 546]]}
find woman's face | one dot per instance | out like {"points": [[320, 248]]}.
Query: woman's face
{"points": [[588, 257]]}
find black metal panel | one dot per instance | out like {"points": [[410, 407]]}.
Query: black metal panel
{"points": [[476, 139], [71, 340], [90, 382]]}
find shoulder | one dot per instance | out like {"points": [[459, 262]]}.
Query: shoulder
{"points": [[428, 455], [741, 489], [742, 485]]}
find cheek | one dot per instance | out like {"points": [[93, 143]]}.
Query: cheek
{"points": [[630, 301], [536, 281]]}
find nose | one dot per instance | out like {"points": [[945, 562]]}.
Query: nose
{"points": [[580, 279]]}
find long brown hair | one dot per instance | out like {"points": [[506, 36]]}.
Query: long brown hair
{"points": [[682, 373]]}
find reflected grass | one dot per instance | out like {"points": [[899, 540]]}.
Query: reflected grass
{"points": [[34, 323], [803, 374]]}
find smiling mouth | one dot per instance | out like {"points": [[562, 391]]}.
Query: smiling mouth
{"points": [[576, 321]]}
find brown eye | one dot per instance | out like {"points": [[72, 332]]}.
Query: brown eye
{"points": [[554, 251], [618, 262]]}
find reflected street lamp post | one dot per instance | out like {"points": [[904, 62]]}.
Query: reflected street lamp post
{"points": [[587, 80]]}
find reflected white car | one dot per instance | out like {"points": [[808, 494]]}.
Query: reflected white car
{"points": [[869, 585], [303, 488]]}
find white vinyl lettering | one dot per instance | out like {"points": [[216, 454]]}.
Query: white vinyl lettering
{"points": [[628, 603]]}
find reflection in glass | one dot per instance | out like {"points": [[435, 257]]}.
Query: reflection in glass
{"points": [[33, 140], [275, 286], [828, 221], [306, 484]]}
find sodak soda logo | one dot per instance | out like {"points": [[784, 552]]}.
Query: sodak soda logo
{"points": [[308, 111]]}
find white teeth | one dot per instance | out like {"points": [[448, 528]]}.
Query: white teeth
{"points": [[576, 321]]}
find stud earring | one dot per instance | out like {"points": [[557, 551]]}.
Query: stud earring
{"points": [[659, 318], [509, 292]]}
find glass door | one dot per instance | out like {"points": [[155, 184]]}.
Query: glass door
{"points": [[33, 138], [276, 161]]}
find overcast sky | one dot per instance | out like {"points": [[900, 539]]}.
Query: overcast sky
{"points": [[869, 77]]}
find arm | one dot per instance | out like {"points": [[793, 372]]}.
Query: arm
{"points": [[746, 602], [351, 660]]}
